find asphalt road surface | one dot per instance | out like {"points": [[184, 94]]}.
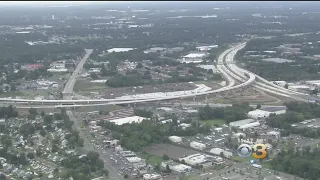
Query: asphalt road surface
{"points": [[88, 146], [72, 80]]}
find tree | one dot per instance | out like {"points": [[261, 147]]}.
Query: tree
{"points": [[33, 111], [139, 65], [94, 76], [2, 177], [22, 159], [258, 106], [30, 155], [42, 133], [48, 119], [210, 71], [286, 86], [222, 154], [126, 176], [165, 157], [168, 168], [43, 113]]}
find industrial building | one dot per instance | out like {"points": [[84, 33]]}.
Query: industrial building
{"points": [[206, 48], [198, 159], [193, 58], [119, 50], [218, 151], [266, 111], [250, 125], [197, 145], [237, 135], [241, 122], [175, 139], [127, 120], [276, 110], [180, 168]]}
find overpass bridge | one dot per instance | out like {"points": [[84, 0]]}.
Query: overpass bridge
{"points": [[235, 76]]}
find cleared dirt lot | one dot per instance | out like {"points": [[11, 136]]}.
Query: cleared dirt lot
{"points": [[174, 152]]}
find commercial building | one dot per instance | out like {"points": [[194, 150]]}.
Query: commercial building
{"points": [[275, 109], [206, 48], [248, 126], [237, 135], [193, 58], [128, 120], [180, 168], [175, 139], [119, 50], [264, 113], [197, 145], [218, 151], [241, 122], [198, 159]]}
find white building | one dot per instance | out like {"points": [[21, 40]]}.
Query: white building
{"points": [[206, 48], [119, 50], [180, 168], [57, 70], [241, 122], [136, 119], [258, 114], [152, 177], [250, 125], [197, 145], [237, 135], [196, 159], [184, 125], [175, 139], [94, 70], [193, 58], [218, 151]]}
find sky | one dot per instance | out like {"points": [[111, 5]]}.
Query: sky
{"points": [[38, 3]]}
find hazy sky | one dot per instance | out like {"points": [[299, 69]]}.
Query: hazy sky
{"points": [[32, 3]]}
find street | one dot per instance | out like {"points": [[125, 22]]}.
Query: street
{"points": [[88, 146]]}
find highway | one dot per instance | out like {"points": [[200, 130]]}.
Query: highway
{"points": [[72, 80], [225, 65], [88, 146]]}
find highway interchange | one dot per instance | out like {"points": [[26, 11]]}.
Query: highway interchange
{"points": [[235, 76]]}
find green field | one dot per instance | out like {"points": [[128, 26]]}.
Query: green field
{"points": [[153, 160], [87, 86], [213, 122]]}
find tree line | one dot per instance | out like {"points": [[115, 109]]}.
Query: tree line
{"points": [[233, 113], [135, 136], [300, 162]]}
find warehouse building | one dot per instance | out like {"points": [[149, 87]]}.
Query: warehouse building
{"points": [[241, 122], [198, 159], [248, 126], [266, 111], [197, 145], [218, 151], [180, 168], [175, 139]]}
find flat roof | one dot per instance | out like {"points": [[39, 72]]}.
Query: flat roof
{"points": [[241, 122], [274, 109]]}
